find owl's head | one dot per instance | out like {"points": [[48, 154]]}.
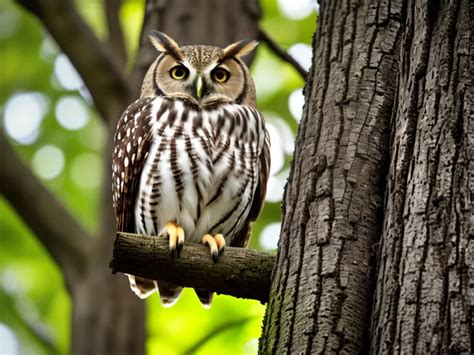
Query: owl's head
{"points": [[202, 74]]}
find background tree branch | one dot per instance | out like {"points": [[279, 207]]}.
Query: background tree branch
{"points": [[115, 37], [239, 272], [218, 328], [44, 214], [280, 52], [93, 60]]}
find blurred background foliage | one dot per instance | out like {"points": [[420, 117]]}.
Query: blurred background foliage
{"points": [[47, 114]]}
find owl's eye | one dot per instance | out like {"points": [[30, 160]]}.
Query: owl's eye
{"points": [[179, 72], [220, 75]]}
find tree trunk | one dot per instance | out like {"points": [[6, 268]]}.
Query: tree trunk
{"points": [[107, 317], [371, 59], [425, 295], [322, 280]]}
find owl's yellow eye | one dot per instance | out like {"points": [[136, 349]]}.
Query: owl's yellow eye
{"points": [[179, 72], [220, 75]]}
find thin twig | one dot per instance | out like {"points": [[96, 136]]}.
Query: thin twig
{"points": [[217, 330], [264, 37], [59, 232]]}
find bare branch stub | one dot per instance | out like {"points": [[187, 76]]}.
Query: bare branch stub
{"points": [[280, 52], [242, 273]]}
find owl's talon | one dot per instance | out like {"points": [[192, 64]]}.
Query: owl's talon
{"points": [[215, 256], [220, 243], [175, 234], [179, 247], [216, 245], [180, 241]]}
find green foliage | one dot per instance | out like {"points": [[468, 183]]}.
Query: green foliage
{"points": [[33, 300]]}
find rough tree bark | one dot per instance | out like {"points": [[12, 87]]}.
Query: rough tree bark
{"points": [[379, 65], [321, 288], [424, 299], [107, 318]]}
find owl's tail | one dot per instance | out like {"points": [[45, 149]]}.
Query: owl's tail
{"points": [[141, 287], [169, 293], [205, 297]]}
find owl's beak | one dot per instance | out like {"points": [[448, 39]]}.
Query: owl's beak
{"points": [[200, 88]]}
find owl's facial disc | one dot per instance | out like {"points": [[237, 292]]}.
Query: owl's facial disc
{"points": [[203, 74]]}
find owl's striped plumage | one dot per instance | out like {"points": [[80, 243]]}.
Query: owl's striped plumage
{"points": [[191, 161]]}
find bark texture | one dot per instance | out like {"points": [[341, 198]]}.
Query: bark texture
{"points": [[424, 299], [321, 288], [239, 272]]}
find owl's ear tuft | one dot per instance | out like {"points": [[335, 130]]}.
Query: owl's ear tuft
{"points": [[240, 48], [164, 43]]}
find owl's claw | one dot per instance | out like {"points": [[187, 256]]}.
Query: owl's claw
{"points": [[216, 244], [220, 243], [175, 234]]}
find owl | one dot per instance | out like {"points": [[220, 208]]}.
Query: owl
{"points": [[191, 156]]}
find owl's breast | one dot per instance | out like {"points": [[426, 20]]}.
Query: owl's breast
{"points": [[200, 172]]}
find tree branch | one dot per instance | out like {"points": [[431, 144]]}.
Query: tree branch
{"points": [[59, 232], [239, 272], [92, 59], [216, 331], [275, 48], [115, 34]]}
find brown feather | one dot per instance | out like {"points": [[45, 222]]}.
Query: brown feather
{"points": [[135, 122], [164, 43], [124, 199], [242, 238], [238, 49]]}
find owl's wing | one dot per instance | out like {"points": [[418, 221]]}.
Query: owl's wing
{"points": [[132, 141], [243, 237]]}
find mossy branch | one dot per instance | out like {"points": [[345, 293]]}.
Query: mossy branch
{"points": [[239, 272]]}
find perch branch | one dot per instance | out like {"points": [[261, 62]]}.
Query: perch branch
{"points": [[239, 272], [93, 60], [58, 231], [280, 52]]}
